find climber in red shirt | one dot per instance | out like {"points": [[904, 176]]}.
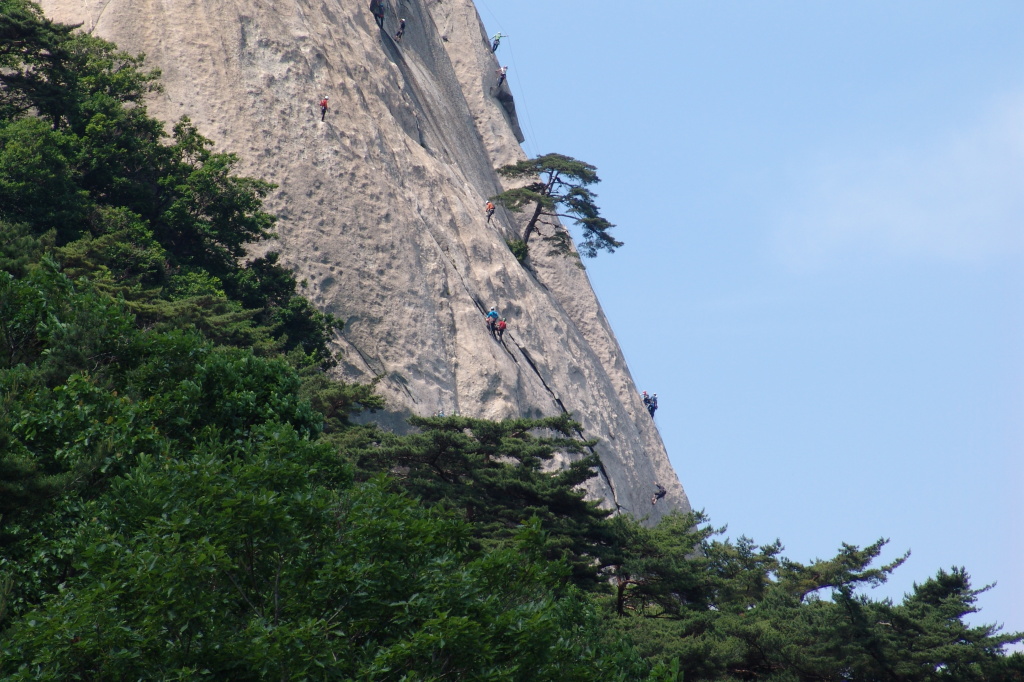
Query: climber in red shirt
{"points": [[323, 107]]}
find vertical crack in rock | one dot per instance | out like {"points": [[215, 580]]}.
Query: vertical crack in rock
{"points": [[600, 463], [533, 366], [366, 360], [607, 480]]}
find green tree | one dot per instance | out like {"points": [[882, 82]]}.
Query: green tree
{"points": [[248, 569], [30, 47], [497, 475], [660, 572], [210, 214], [561, 191], [84, 393], [725, 610], [38, 178], [21, 248], [252, 558], [173, 513]]}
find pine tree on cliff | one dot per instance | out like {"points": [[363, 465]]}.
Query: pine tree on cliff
{"points": [[560, 192]]}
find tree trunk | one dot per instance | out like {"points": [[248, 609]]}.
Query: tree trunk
{"points": [[531, 226], [620, 596], [547, 190]]}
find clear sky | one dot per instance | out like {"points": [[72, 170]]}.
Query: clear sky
{"points": [[823, 277]]}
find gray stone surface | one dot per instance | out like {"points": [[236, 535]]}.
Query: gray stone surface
{"points": [[381, 207]]}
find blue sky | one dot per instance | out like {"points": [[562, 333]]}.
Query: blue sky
{"points": [[823, 277]]}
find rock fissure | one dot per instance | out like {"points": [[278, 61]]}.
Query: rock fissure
{"points": [[579, 432], [607, 479], [106, 4], [367, 361], [533, 366]]}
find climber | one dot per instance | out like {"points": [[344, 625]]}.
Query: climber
{"points": [[323, 107], [491, 319], [653, 405], [377, 10], [490, 210], [646, 398], [401, 30], [500, 328], [501, 75], [496, 40], [660, 493]]}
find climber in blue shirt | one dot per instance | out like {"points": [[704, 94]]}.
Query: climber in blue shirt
{"points": [[491, 319]]}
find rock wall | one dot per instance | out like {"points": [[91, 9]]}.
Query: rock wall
{"points": [[381, 206]]}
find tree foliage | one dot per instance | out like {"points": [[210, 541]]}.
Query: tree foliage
{"points": [[561, 191], [499, 475], [208, 570], [736, 610], [169, 510]]}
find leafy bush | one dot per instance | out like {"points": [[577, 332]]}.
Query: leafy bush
{"points": [[518, 249]]}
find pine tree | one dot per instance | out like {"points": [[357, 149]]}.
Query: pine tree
{"points": [[498, 475], [561, 192], [735, 610]]}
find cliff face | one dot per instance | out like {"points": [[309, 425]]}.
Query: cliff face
{"points": [[381, 206]]}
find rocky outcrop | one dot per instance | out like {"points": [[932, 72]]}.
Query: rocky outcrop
{"points": [[381, 206]]}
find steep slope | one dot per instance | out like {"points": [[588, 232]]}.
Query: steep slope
{"points": [[381, 206]]}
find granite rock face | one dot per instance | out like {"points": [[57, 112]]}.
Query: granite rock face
{"points": [[381, 207]]}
